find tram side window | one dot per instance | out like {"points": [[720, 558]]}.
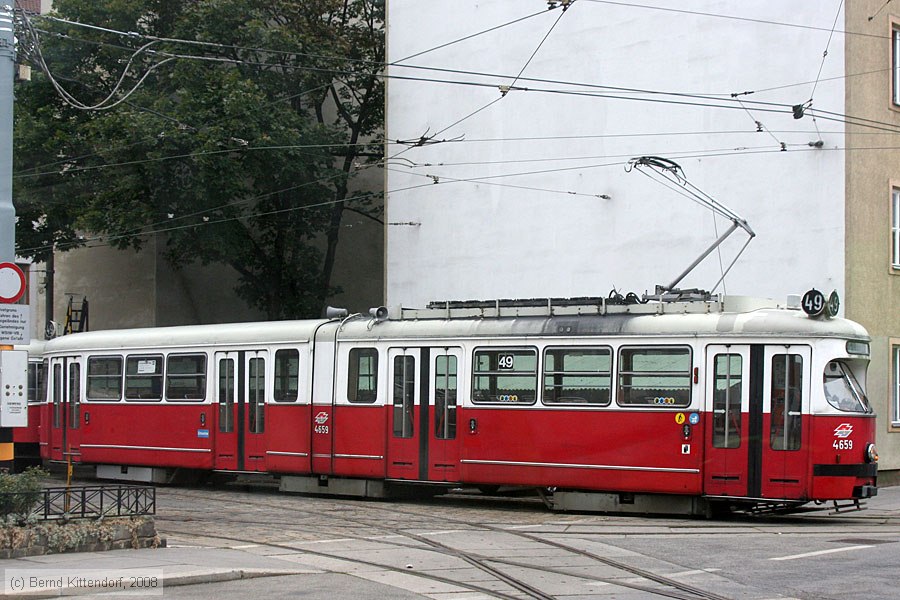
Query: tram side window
{"points": [[577, 375], [727, 401], [657, 376], [186, 377], [505, 375], [404, 395], [104, 378], [362, 380], [787, 386], [257, 394], [74, 395], [57, 395], [37, 384], [226, 395], [287, 375], [143, 378], [445, 387]]}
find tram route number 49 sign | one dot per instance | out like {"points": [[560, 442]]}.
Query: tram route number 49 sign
{"points": [[814, 303], [13, 317]]}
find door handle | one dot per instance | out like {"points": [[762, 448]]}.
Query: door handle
{"points": [[87, 418], [473, 426]]}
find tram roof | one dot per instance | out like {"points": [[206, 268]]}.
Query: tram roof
{"points": [[755, 323], [717, 320], [269, 332]]}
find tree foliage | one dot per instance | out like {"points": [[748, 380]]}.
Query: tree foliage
{"points": [[233, 128]]}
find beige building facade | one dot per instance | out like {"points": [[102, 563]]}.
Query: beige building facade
{"points": [[873, 204]]}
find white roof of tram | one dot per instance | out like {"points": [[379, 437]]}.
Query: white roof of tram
{"points": [[694, 319]]}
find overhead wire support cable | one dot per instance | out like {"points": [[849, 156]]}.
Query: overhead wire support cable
{"points": [[504, 89]]}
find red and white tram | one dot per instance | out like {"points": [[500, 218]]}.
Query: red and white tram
{"points": [[653, 407]]}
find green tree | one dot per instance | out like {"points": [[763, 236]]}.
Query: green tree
{"points": [[234, 128]]}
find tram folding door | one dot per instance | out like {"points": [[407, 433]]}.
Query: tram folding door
{"points": [[423, 443], [728, 428], [240, 422], [785, 423], [443, 435], [404, 406], [65, 408]]}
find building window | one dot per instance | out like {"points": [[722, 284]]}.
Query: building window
{"points": [[895, 47], [895, 384], [895, 228]]}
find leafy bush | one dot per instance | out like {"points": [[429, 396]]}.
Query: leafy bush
{"points": [[19, 493]]}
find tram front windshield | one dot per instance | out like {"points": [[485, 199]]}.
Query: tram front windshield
{"points": [[842, 390]]}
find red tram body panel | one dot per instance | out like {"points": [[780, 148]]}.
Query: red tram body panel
{"points": [[724, 401]]}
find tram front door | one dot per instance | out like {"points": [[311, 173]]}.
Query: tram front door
{"points": [[727, 436], [757, 396]]}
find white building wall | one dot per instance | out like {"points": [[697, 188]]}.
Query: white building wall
{"points": [[515, 212]]}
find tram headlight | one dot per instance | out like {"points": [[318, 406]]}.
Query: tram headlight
{"points": [[871, 454]]}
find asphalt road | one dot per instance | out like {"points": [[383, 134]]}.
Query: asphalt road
{"points": [[468, 546]]}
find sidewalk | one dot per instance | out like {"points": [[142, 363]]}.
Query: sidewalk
{"points": [[96, 572]]}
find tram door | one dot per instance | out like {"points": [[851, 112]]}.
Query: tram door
{"points": [[240, 394], [728, 430], [785, 428], [405, 411], [65, 407], [443, 391]]}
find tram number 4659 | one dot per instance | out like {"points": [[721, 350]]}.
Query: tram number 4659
{"points": [[842, 444], [321, 428]]}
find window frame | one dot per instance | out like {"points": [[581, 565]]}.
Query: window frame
{"points": [[894, 345], [403, 395], [610, 374], [161, 375], [535, 375], [446, 395], [121, 377], [790, 427], [37, 381], [727, 430], [203, 374], [895, 228], [355, 377], [280, 395], [689, 374], [895, 64]]}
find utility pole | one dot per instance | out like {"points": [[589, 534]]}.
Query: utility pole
{"points": [[7, 210], [7, 74]]}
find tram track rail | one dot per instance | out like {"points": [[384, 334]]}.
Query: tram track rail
{"points": [[671, 588]]}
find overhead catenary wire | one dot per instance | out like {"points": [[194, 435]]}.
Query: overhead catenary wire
{"points": [[504, 90], [734, 18], [107, 102], [773, 107]]}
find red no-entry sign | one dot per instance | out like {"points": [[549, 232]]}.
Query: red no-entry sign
{"points": [[12, 283]]}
